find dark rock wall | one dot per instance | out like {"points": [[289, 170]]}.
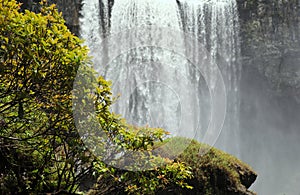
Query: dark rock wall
{"points": [[270, 32], [270, 92]]}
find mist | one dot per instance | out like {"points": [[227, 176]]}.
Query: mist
{"points": [[270, 134]]}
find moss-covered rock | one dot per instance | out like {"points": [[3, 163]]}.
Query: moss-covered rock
{"points": [[215, 172]]}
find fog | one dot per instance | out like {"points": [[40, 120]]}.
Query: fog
{"points": [[270, 135]]}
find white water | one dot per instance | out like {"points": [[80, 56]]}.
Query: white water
{"points": [[215, 24], [90, 29], [142, 55]]}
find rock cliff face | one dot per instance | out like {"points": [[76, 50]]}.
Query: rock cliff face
{"points": [[270, 92], [270, 33]]}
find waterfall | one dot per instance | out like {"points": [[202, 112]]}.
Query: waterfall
{"points": [[215, 24], [162, 57], [91, 30]]}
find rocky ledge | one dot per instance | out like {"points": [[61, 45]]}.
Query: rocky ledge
{"points": [[215, 172]]}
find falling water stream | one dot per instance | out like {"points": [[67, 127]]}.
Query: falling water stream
{"points": [[165, 59], [215, 24], [144, 74], [158, 86]]}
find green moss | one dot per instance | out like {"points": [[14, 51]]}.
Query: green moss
{"points": [[215, 172]]}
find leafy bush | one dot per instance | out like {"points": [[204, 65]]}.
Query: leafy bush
{"points": [[40, 148]]}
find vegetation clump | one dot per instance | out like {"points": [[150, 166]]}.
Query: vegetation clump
{"points": [[214, 171]]}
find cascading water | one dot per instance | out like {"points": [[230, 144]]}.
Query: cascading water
{"points": [[91, 29], [215, 24], [160, 87]]}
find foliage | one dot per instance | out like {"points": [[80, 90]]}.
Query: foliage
{"points": [[172, 175], [40, 149], [39, 60], [139, 170]]}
